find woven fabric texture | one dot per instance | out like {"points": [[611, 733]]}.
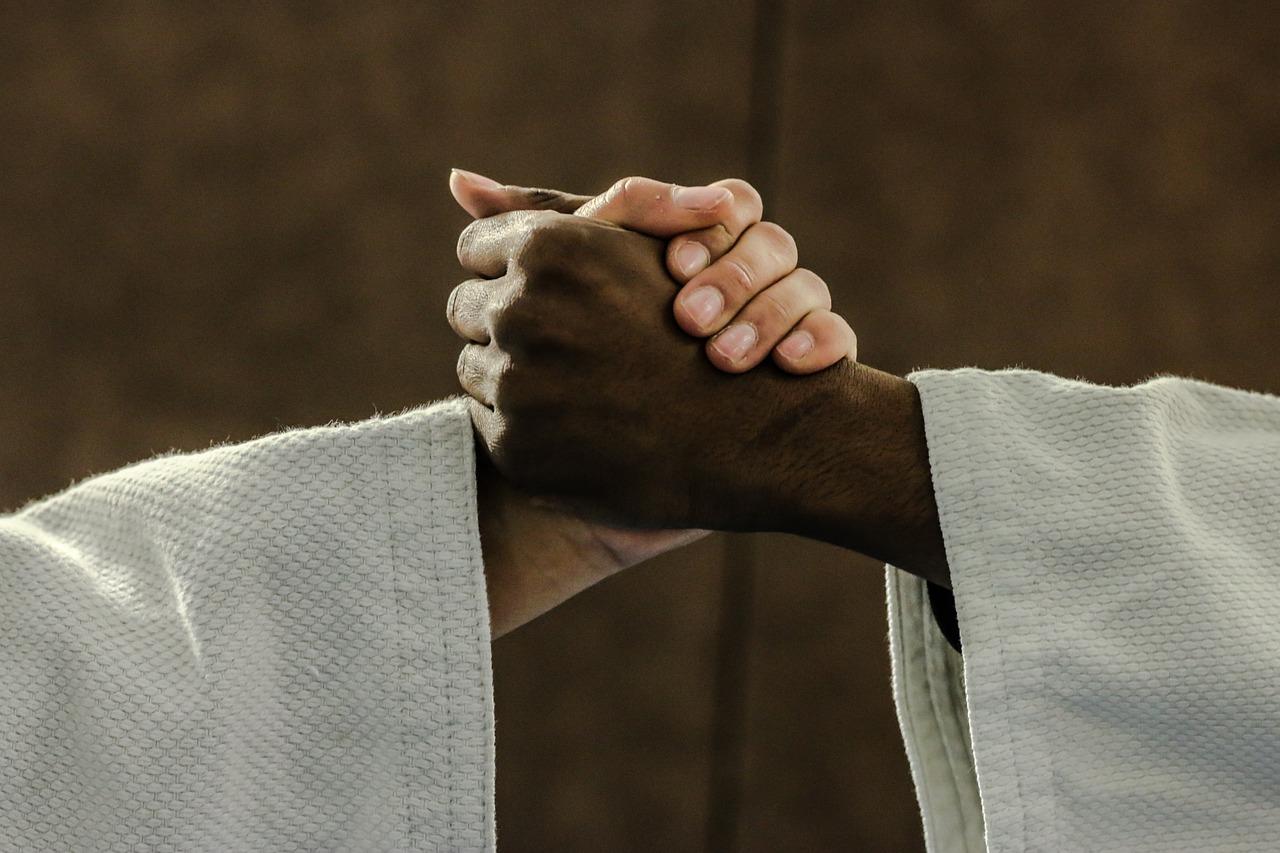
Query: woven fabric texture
{"points": [[1115, 555], [277, 646]]}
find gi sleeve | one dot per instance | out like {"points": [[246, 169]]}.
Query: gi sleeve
{"points": [[279, 646], [1115, 558]]}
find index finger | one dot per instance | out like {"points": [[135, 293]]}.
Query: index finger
{"points": [[486, 246], [691, 253]]}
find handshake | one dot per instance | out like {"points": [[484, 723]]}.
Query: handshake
{"points": [[615, 372]]}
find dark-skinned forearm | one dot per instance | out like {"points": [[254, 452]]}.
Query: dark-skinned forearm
{"points": [[859, 474]]}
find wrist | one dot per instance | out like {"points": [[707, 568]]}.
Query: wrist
{"points": [[856, 473], [535, 557]]}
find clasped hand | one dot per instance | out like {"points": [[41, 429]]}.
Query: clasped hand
{"points": [[584, 368], [614, 374]]}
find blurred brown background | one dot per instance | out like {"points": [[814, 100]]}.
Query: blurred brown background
{"points": [[221, 219]]}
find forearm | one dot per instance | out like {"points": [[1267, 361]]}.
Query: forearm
{"points": [[858, 472], [534, 556]]}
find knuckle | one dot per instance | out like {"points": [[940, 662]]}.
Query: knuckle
{"points": [[522, 322], [501, 388], [738, 276], [775, 308], [537, 231], [539, 225], [503, 314], [516, 291], [627, 190], [746, 197], [509, 323], [511, 389], [779, 240], [816, 286]]}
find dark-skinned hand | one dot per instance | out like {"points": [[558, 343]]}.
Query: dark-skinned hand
{"points": [[585, 388]]}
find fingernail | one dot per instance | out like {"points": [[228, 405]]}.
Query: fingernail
{"points": [[796, 345], [704, 305], [476, 180], [734, 341], [692, 258], [701, 198]]}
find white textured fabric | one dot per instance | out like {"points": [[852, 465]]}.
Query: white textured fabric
{"points": [[276, 646], [1115, 554]]}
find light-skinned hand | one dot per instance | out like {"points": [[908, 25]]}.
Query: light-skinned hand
{"points": [[740, 286]]}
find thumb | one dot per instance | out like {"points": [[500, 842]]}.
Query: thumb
{"points": [[481, 196], [659, 209]]}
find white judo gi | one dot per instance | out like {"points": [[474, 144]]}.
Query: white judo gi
{"points": [[284, 645], [1115, 557], [277, 646]]}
